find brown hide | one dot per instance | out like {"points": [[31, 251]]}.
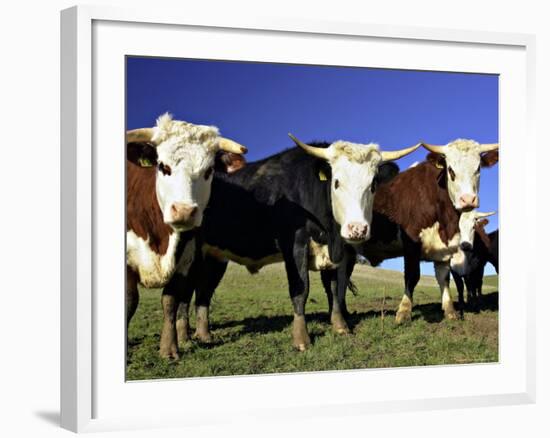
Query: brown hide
{"points": [[143, 214], [416, 199]]}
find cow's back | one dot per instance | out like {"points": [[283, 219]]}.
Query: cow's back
{"points": [[252, 208]]}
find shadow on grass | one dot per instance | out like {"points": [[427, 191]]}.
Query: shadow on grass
{"points": [[430, 312], [260, 324], [489, 301]]}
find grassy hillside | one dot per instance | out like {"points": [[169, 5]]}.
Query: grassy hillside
{"points": [[251, 317]]}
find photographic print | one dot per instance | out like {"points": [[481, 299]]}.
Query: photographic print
{"points": [[290, 218]]}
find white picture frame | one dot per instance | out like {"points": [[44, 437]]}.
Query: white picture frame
{"points": [[86, 404]]}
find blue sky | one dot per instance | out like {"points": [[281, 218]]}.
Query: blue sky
{"points": [[257, 104]]}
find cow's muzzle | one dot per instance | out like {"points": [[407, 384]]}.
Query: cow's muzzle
{"points": [[355, 232], [468, 201], [466, 246], [183, 215]]}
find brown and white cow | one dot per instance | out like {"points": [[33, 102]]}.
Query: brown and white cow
{"points": [[169, 171], [416, 215]]}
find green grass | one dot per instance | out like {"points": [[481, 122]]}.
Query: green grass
{"points": [[251, 318]]}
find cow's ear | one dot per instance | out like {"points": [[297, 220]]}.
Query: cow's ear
{"points": [[387, 171], [141, 154], [489, 159], [482, 222], [438, 160], [228, 162]]}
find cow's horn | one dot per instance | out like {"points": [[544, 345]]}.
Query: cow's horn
{"points": [[394, 155], [479, 215], [139, 135], [311, 150], [488, 147], [434, 148], [231, 146]]}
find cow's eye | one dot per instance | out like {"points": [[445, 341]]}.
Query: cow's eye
{"points": [[336, 184], [165, 169], [452, 173], [208, 173]]}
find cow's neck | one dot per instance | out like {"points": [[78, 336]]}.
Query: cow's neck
{"points": [[447, 216]]}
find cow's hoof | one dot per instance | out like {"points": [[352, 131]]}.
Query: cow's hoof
{"points": [[452, 314], [170, 352], [341, 330], [403, 316], [300, 336], [339, 325], [204, 337], [302, 342], [302, 347], [404, 312]]}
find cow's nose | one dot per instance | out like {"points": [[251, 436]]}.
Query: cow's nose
{"points": [[357, 231], [468, 201], [183, 213], [466, 246]]}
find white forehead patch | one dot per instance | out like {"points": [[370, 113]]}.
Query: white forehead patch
{"points": [[191, 145], [359, 153], [460, 150], [464, 145]]}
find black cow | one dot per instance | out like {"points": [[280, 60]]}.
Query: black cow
{"points": [[485, 249], [299, 206]]}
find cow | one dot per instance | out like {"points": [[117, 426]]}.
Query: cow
{"points": [[298, 206], [169, 171], [416, 216], [468, 264]]}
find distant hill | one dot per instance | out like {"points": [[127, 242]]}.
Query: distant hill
{"points": [[396, 277]]}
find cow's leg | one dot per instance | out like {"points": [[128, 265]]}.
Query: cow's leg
{"points": [[412, 275], [210, 276], [170, 300], [475, 279], [132, 294], [472, 292], [327, 277], [330, 283], [460, 289], [442, 274], [295, 254], [480, 281], [344, 278], [182, 323]]}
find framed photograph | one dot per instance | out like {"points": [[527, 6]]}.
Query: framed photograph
{"points": [[249, 204]]}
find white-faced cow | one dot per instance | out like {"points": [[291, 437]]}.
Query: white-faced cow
{"points": [[416, 215], [299, 206], [169, 171], [468, 264]]}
